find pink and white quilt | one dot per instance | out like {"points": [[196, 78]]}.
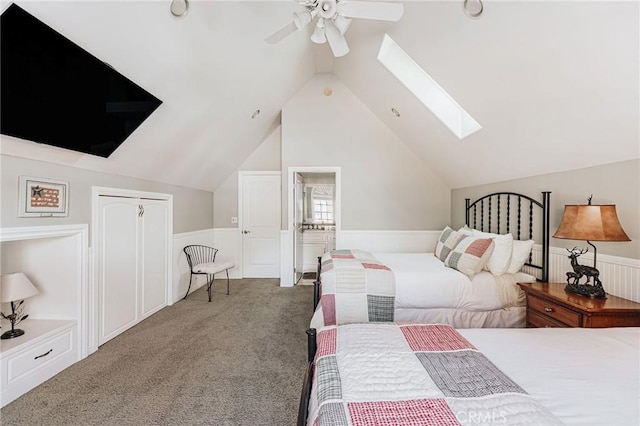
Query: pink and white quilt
{"points": [[356, 287], [409, 375]]}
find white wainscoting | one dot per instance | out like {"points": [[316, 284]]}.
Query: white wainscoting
{"points": [[620, 276], [286, 258], [226, 240], [388, 241]]}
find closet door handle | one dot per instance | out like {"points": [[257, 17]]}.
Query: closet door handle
{"points": [[140, 210]]}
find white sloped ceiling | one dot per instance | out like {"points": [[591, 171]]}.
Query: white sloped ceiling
{"points": [[555, 85]]}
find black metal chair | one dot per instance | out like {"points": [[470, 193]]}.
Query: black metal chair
{"points": [[202, 261]]}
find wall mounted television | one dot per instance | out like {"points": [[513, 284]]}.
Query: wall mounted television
{"points": [[56, 93]]}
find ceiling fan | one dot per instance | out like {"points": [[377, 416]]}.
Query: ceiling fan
{"points": [[333, 17]]}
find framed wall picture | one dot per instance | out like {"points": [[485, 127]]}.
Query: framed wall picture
{"points": [[40, 197]]}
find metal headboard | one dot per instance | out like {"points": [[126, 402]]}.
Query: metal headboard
{"points": [[510, 212]]}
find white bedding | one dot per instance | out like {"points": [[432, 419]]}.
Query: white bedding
{"points": [[423, 282], [583, 376]]}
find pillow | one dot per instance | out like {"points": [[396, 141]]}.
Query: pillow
{"points": [[470, 255], [500, 259], [519, 255], [465, 230], [447, 241]]}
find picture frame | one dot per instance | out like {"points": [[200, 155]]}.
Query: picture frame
{"points": [[42, 197]]}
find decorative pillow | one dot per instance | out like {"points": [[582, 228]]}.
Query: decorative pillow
{"points": [[519, 255], [470, 255], [501, 257], [447, 241]]}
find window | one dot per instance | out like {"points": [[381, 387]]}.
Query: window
{"points": [[426, 89], [323, 211]]}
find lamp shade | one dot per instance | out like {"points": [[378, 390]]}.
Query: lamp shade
{"points": [[591, 223], [16, 286]]}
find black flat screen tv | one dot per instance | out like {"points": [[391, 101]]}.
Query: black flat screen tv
{"points": [[56, 93]]}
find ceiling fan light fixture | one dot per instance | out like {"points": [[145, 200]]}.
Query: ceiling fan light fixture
{"points": [[342, 23], [301, 19], [327, 8], [318, 35]]}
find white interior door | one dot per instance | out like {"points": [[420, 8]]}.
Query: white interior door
{"points": [[298, 219], [118, 270], [261, 225], [155, 216]]}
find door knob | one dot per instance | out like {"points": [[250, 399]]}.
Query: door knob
{"points": [[246, 232]]}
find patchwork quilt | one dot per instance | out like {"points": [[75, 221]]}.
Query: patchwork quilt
{"points": [[409, 375], [356, 287]]}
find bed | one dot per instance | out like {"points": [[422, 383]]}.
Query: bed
{"points": [[461, 282], [418, 374]]}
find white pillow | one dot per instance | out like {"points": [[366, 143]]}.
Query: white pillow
{"points": [[501, 257], [465, 230], [519, 255]]}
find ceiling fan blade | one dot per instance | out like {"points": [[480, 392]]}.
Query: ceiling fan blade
{"points": [[382, 11], [281, 33], [336, 40]]}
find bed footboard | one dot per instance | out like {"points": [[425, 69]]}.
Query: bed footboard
{"points": [[303, 408]]}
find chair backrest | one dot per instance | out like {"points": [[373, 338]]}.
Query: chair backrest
{"points": [[197, 254]]}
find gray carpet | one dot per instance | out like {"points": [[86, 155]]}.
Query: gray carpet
{"points": [[238, 360]]}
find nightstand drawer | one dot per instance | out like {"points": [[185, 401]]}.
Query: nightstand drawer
{"points": [[556, 312], [542, 321], [39, 355]]}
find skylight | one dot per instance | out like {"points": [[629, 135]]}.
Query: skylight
{"points": [[426, 89]]}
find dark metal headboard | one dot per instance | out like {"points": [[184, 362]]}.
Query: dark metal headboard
{"points": [[501, 212]]}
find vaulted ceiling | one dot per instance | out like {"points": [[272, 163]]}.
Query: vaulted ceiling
{"points": [[555, 85]]}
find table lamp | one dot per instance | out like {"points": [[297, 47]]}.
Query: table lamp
{"points": [[14, 289], [588, 223]]}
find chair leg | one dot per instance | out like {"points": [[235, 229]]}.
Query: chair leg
{"points": [[227, 271], [189, 288], [210, 285]]}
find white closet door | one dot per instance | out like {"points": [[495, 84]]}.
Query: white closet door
{"points": [[118, 266], [155, 218]]}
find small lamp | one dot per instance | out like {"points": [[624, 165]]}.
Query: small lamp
{"points": [[15, 288], [588, 223]]}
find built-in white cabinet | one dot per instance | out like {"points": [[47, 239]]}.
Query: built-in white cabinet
{"points": [[315, 244], [57, 332], [132, 253], [49, 347]]}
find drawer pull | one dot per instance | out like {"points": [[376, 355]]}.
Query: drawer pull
{"points": [[44, 354], [548, 310]]}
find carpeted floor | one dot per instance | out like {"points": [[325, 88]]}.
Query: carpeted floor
{"points": [[238, 360]]}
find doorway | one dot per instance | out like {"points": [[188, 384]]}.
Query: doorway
{"points": [[314, 197]]}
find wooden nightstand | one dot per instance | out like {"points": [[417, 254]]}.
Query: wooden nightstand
{"points": [[548, 305]]}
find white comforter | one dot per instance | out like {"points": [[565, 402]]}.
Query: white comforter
{"points": [[423, 282], [583, 376]]}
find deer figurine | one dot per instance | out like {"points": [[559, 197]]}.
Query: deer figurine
{"points": [[582, 270]]}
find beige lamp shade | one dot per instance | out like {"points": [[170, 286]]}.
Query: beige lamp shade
{"points": [[16, 286], [591, 223]]}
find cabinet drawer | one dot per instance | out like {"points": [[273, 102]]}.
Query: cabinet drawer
{"points": [[542, 321], [39, 355], [556, 312]]}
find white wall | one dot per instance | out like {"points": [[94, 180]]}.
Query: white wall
{"points": [[265, 158], [384, 185]]}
